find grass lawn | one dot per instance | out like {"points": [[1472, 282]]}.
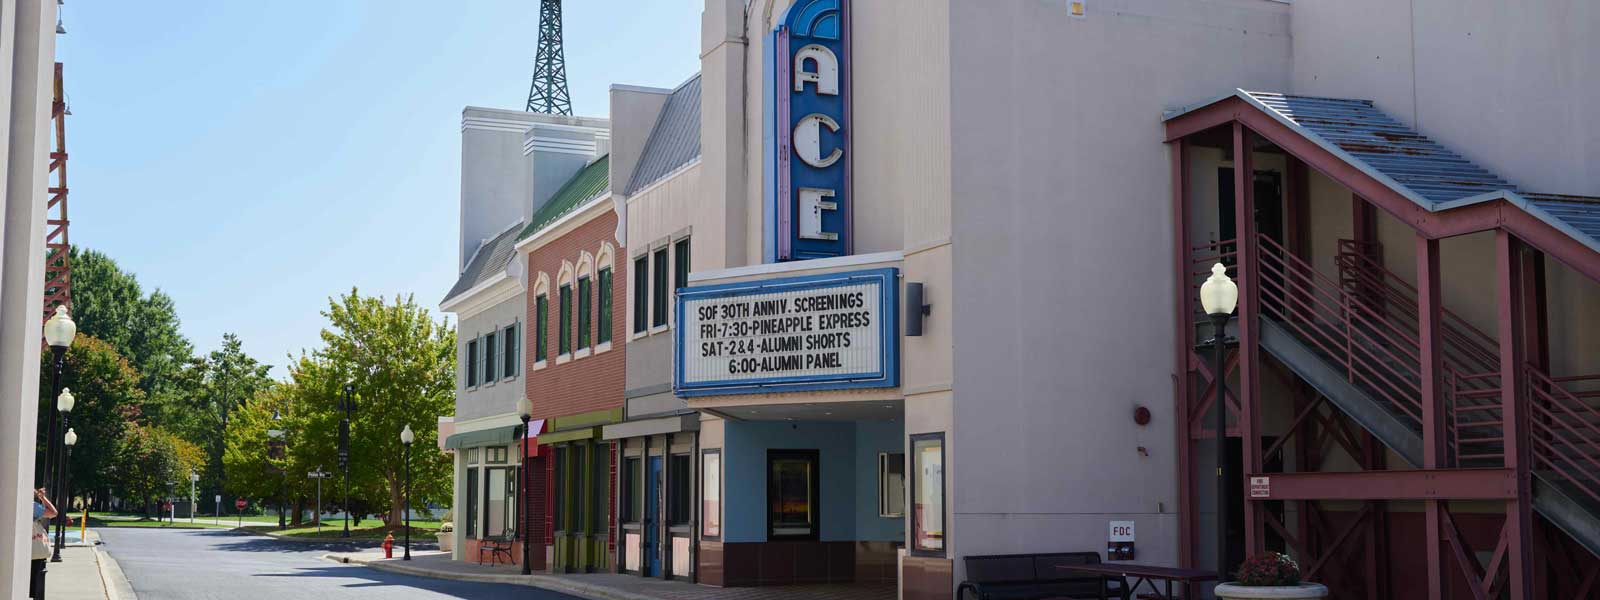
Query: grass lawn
{"points": [[369, 530], [95, 521]]}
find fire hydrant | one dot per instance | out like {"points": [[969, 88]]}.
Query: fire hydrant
{"points": [[388, 546]]}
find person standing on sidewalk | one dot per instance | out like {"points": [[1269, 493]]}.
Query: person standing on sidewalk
{"points": [[43, 511]]}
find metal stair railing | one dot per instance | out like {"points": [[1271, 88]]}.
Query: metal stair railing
{"points": [[1376, 353], [1565, 429]]}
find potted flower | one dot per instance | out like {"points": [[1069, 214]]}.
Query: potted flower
{"points": [[1270, 576], [447, 536]]}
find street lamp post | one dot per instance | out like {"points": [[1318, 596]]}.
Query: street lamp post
{"points": [[348, 404], [525, 407], [64, 402], [1218, 296], [275, 450], [70, 439], [194, 480], [406, 437]]}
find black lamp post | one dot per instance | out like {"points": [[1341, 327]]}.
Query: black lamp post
{"points": [[348, 403], [526, 408], [406, 437], [275, 450], [64, 402], [1219, 296]]}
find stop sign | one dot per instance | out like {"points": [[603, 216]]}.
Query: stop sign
{"points": [[239, 504]]}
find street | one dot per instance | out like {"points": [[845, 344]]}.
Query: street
{"points": [[213, 564]]}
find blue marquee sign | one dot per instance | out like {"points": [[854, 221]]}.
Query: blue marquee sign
{"points": [[808, 133], [818, 332]]}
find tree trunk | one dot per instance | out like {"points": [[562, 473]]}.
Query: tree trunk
{"points": [[397, 501], [299, 511]]}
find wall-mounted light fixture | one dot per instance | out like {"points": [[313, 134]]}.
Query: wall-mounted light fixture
{"points": [[915, 309]]}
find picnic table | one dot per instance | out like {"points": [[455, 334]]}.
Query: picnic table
{"points": [[1133, 576]]}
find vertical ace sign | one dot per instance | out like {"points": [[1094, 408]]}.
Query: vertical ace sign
{"points": [[808, 132]]}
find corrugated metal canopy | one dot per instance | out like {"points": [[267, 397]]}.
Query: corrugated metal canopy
{"points": [[1419, 168], [491, 258], [675, 139]]}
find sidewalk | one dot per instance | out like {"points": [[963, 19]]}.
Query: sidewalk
{"points": [[605, 586], [86, 573]]}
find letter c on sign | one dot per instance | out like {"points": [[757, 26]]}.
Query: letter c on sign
{"points": [[808, 140]]}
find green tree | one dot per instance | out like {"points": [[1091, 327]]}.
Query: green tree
{"points": [[401, 365], [108, 398], [108, 303], [152, 462], [223, 384]]}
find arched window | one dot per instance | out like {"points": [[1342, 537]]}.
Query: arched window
{"points": [[564, 291], [541, 319]]}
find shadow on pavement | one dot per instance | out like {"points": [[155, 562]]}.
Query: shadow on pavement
{"points": [[249, 542], [459, 589]]}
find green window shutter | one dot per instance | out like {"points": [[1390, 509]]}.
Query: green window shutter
{"points": [[641, 294], [585, 302], [566, 320], [541, 337], [472, 363], [605, 306]]}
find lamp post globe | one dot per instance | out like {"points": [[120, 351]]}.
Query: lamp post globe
{"points": [[71, 438], [60, 328], [525, 411], [65, 401], [406, 437], [1219, 296]]}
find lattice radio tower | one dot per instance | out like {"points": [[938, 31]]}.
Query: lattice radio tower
{"points": [[549, 91], [58, 248]]}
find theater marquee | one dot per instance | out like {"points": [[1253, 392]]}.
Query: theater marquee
{"points": [[833, 331]]}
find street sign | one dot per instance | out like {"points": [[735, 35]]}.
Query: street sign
{"points": [[239, 504], [1260, 487]]}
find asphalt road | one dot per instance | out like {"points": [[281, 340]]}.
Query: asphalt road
{"points": [[221, 565]]}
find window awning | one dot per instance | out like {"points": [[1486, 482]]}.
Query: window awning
{"points": [[494, 436]]}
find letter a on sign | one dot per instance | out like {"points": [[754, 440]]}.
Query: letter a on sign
{"points": [[808, 126]]}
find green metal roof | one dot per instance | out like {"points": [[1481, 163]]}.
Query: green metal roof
{"points": [[590, 182]]}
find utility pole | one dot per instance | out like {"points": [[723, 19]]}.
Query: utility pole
{"points": [[348, 404]]}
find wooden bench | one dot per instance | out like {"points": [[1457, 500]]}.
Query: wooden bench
{"points": [[1032, 577], [496, 548]]}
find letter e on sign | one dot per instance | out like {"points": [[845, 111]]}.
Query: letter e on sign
{"points": [[1260, 487]]}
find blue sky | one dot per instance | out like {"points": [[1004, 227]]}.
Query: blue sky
{"points": [[253, 159]]}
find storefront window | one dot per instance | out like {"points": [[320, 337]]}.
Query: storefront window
{"points": [[558, 508], [679, 481], [927, 491], [711, 494], [891, 484], [630, 490], [472, 500], [792, 494], [501, 500]]}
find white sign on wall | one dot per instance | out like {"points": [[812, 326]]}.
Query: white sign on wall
{"points": [[1121, 531], [818, 332]]}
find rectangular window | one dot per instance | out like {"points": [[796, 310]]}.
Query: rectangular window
{"points": [[891, 484], [566, 320], [658, 291], [641, 294], [632, 505], [501, 498], [585, 303], [541, 333], [497, 455], [472, 456], [472, 502], [792, 481], [711, 494], [603, 333], [680, 264], [491, 357], [558, 483], [927, 493], [472, 363], [513, 344], [680, 479]]}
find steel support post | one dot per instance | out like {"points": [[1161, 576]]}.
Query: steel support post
{"points": [[1249, 343], [1429, 315], [1184, 300], [1519, 511]]}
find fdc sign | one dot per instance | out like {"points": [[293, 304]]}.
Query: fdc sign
{"points": [[808, 132]]}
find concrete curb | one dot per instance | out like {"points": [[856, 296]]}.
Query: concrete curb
{"points": [[111, 575], [555, 584]]}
